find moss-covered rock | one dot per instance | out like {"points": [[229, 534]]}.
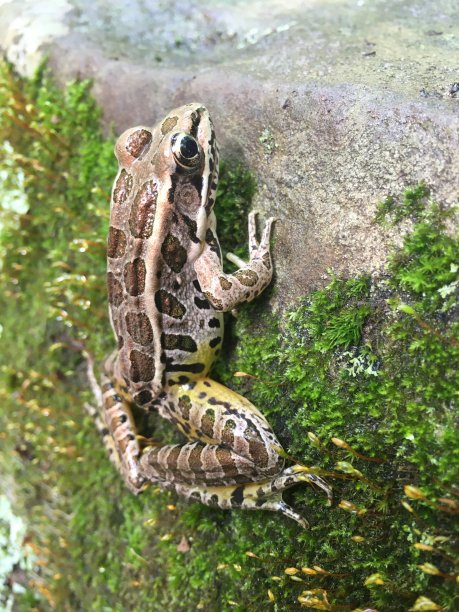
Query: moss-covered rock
{"points": [[358, 380]]}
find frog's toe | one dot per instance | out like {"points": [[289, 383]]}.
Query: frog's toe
{"points": [[236, 260], [264, 243], [286, 510]]}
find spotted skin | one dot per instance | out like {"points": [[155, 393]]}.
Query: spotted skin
{"points": [[167, 293]]}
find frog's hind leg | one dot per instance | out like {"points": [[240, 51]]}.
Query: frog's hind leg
{"points": [[230, 440], [232, 459], [97, 412], [255, 496], [104, 433], [114, 421]]}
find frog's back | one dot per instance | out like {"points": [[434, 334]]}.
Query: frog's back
{"points": [[161, 217]]}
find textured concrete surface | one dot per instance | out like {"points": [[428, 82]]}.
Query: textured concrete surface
{"points": [[333, 105]]}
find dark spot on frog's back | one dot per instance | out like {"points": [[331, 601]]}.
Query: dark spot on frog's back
{"points": [[142, 366], [168, 304], [174, 254], [168, 125], [116, 246], [138, 143], [213, 242], [139, 327], [194, 368], [192, 229], [122, 188], [178, 342], [143, 210], [115, 290], [202, 303], [134, 277]]}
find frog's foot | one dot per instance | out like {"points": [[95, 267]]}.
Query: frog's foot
{"points": [[257, 250], [266, 495]]}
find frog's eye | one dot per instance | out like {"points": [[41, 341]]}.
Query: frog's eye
{"points": [[186, 150]]}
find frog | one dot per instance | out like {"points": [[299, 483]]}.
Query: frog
{"points": [[167, 293]]}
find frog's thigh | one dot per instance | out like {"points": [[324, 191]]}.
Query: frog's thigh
{"points": [[121, 430], [232, 441]]}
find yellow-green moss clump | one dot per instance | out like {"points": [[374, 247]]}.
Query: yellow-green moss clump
{"points": [[358, 381]]}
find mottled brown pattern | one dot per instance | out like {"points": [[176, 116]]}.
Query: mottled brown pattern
{"points": [[134, 277], [227, 433], [224, 283], [258, 452], [138, 143], [116, 246], [168, 304], [168, 124], [143, 210], [195, 461], [185, 406], [139, 327], [217, 304], [248, 278], [235, 444], [208, 422], [178, 341], [142, 366], [115, 290], [226, 461], [122, 188], [172, 457], [174, 254]]}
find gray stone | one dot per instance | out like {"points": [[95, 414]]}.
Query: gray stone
{"points": [[332, 105]]}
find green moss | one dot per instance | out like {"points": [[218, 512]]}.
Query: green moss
{"points": [[369, 363], [392, 210]]}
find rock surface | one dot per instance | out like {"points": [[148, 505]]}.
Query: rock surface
{"points": [[332, 105]]}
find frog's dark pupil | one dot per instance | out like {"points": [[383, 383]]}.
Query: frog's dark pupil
{"points": [[188, 147]]}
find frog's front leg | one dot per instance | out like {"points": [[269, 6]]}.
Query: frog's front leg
{"points": [[225, 291]]}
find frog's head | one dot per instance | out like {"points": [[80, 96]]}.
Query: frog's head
{"points": [[187, 159], [180, 155]]}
